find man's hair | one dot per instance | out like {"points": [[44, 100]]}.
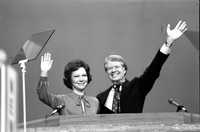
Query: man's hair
{"points": [[73, 66], [115, 58]]}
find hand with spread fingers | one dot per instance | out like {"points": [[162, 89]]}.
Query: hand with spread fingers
{"points": [[46, 63], [173, 34]]}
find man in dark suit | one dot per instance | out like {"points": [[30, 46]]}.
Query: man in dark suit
{"points": [[126, 96]]}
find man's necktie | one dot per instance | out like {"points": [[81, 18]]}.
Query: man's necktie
{"points": [[116, 99]]}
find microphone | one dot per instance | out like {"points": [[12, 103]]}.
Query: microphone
{"points": [[57, 109], [179, 107]]}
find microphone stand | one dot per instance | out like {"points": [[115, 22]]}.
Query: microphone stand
{"points": [[22, 64]]}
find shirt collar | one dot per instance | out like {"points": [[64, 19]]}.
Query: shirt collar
{"points": [[78, 92]]}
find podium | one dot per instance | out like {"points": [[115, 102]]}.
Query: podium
{"points": [[143, 122]]}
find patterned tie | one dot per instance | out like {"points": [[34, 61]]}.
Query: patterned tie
{"points": [[116, 99]]}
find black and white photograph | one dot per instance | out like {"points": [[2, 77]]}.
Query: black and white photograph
{"points": [[99, 66]]}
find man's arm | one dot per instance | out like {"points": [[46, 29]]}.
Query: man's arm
{"points": [[152, 72]]}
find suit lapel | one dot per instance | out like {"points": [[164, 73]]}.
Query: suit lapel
{"points": [[104, 95]]}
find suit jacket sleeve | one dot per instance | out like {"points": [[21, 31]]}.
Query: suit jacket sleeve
{"points": [[48, 98], [152, 72]]}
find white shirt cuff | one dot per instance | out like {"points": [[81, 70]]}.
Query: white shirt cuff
{"points": [[43, 74], [165, 49]]}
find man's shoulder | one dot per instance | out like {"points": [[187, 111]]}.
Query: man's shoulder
{"points": [[132, 81], [103, 93]]}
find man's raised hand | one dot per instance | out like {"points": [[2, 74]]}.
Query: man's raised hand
{"points": [[173, 34]]}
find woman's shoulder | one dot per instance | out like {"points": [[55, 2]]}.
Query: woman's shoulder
{"points": [[92, 98], [65, 96]]}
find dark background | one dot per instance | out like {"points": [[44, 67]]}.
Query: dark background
{"points": [[93, 29]]}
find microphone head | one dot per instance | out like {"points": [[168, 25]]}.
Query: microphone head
{"points": [[170, 101], [173, 102], [60, 106]]}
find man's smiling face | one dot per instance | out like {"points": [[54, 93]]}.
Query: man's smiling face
{"points": [[115, 70]]}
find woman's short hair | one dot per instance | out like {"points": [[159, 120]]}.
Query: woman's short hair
{"points": [[73, 66]]}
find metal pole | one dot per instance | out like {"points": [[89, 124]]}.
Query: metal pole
{"points": [[3, 58], [3, 98], [23, 69]]}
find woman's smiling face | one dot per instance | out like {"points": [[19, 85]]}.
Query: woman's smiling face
{"points": [[79, 79]]}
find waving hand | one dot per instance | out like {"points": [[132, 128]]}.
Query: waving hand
{"points": [[173, 34], [46, 63]]}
